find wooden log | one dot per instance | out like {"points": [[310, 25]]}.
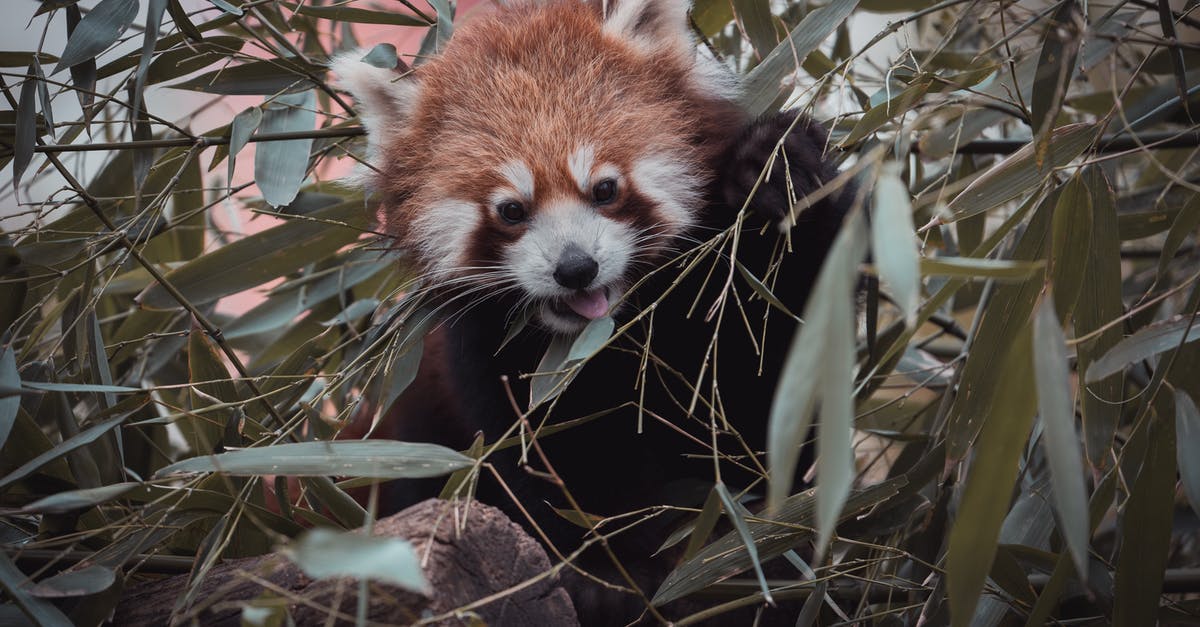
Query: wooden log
{"points": [[490, 554]]}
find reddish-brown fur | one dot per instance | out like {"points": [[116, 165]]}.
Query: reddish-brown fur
{"points": [[500, 93]]}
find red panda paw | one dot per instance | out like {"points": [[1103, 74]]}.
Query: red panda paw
{"points": [[770, 178]]}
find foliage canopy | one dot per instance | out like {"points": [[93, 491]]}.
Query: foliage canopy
{"points": [[1014, 427]]}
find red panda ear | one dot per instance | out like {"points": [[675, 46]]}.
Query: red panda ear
{"points": [[384, 98], [651, 24]]}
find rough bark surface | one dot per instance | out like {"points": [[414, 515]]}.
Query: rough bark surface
{"points": [[490, 554]]}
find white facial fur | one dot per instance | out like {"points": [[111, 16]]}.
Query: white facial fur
{"points": [[444, 232], [534, 257], [672, 185]]}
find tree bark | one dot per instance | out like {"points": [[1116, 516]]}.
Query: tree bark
{"points": [[490, 554]]}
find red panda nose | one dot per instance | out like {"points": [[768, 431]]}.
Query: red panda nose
{"points": [[575, 269]]}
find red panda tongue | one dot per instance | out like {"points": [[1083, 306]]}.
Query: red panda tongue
{"points": [[591, 304]]}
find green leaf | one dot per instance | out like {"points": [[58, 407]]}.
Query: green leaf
{"points": [[879, 114], [819, 372], [227, 8], [444, 28], [986, 494], [326, 554], [258, 258], [154, 15], [762, 290], [1187, 434], [1019, 173], [1006, 314], [743, 531], [1100, 303], [786, 529], [181, 19], [591, 339], [13, 581], [243, 126], [894, 242], [1055, 68], [209, 380], [81, 439], [10, 379], [80, 387], [26, 133], [257, 78], [98, 30], [381, 459], [764, 84], [550, 377], [973, 267], [75, 583], [382, 56], [1072, 237], [1145, 535], [353, 311], [711, 15], [24, 58], [1059, 440], [281, 165], [343, 13], [705, 523], [758, 24], [1146, 343], [72, 500], [1185, 224]]}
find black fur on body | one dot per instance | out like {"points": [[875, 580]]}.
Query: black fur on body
{"points": [[606, 464]]}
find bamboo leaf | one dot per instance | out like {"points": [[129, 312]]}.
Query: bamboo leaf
{"points": [[1099, 303], [1184, 224], [1006, 314], [549, 378], [893, 241], [591, 339], [381, 459], [1056, 66], [281, 165], [1145, 529], [1072, 233], [258, 258], [764, 84], [26, 133], [75, 583], [72, 500], [1146, 343], [756, 19], [786, 529], [1187, 435], [705, 523], [327, 554], [243, 126], [13, 581], [10, 379], [257, 78], [808, 378], [743, 532], [973, 267], [1059, 440], [343, 13], [1020, 173], [985, 496], [154, 15], [83, 438], [98, 30]]}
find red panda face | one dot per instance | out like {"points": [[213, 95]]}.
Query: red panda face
{"points": [[550, 151]]}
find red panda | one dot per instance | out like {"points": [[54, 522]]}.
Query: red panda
{"points": [[548, 161]]}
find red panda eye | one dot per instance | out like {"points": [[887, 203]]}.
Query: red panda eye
{"points": [[512, 211], [605, 191]]}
